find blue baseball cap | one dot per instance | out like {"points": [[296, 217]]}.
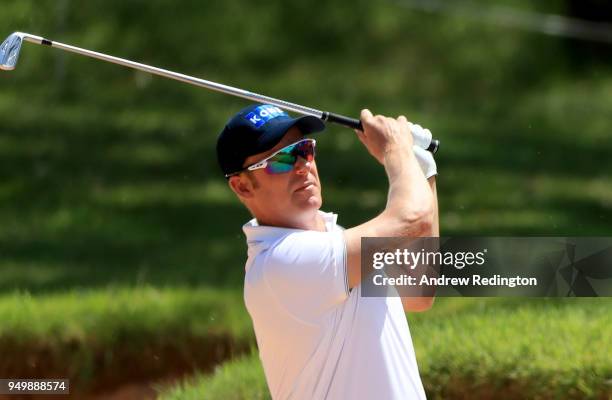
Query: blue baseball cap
{"points": [[256, 129]]}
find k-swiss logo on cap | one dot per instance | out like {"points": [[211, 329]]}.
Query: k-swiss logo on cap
{"points": [[262, 114]]}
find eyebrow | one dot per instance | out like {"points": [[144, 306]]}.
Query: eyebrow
{"points": [[272, 151]]}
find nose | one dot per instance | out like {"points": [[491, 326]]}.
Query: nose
{"points": [[303, 166]]}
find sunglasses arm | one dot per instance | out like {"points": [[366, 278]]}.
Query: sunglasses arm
{"points": [[259, 165]]}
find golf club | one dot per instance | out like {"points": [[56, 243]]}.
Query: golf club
{"points": [[9, 53]]}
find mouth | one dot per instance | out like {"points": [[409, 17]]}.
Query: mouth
{"points": [[305, 186]]}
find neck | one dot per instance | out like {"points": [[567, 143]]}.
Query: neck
{"points": [[310, 222]]}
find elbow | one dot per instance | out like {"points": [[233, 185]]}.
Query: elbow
{"points": [[426, 222], [418, 222]]}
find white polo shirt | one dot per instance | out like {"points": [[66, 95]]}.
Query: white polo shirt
{"points": [[317, 339]]}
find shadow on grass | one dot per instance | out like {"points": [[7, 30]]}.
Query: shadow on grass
{"points": [[186, 244], [105, 206]]}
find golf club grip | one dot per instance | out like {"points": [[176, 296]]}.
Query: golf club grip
{"points": [[346, 121], [356, 124]]}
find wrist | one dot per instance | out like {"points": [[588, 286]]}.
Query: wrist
{"points": [[400, 149], [397, 161]]}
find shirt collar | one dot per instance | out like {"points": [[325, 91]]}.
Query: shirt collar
{"points": [[262, 233]]}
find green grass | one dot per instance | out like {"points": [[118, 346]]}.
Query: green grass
{"points": [[501, 348], [238, 379], [78, 315], [146, 208], [538, 348], [95, 338]]}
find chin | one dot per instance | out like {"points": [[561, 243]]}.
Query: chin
{"points": [[310, 203], [316, 203]]}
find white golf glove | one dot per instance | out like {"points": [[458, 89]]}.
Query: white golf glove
{"points": [[422, 139]]}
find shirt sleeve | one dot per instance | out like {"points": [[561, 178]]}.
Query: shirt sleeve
{"points": [[306, 272]]}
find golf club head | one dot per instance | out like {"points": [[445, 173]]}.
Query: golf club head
{"points": [[9, 51]]}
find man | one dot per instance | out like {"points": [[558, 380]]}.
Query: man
{"points": [[318, 338]]}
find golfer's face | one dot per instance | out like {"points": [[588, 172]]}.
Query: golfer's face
{"points": [[296, 191]]}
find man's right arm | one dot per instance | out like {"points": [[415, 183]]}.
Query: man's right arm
{"points": [[409, 210]]}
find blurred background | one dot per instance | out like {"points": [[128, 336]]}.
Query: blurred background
{"points": [[121, 250]]}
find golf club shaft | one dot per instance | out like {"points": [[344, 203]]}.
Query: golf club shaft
{"points": [[323, 115]]}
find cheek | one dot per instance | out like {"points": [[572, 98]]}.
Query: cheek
{"points": [[273, 188]]}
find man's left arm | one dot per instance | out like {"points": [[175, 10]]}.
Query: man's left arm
{"points": [[430, 170], [418, 304]]}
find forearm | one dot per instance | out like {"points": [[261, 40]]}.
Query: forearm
{"points": [[409, 199], [419, 304]]}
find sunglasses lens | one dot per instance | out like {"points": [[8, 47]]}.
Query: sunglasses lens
{"points": [[285, 160], [306, 150], [281, 163]]}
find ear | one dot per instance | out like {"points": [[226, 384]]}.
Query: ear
{"points": [[242, 186]]}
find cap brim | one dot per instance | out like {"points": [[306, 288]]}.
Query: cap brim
{"points": [[307, 125]]}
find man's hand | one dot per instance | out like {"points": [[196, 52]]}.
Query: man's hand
{"points": [[382, 135]]}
